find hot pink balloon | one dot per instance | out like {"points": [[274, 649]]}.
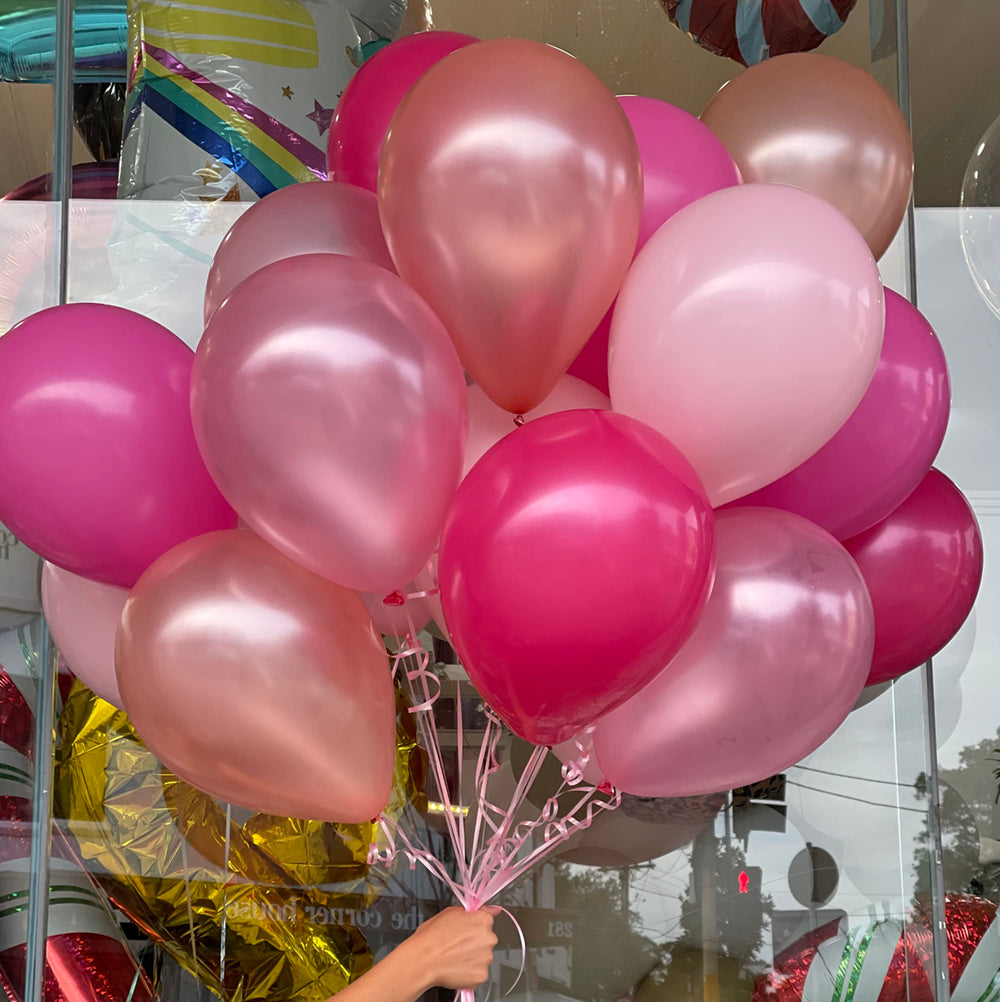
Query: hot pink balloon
{"points": [[771, 671], [83, 617], [369, 101], [576, 559], [259, 682], [682, 161], [887, 445], [489, 423], [330, 407], [747, 332], [923, 564], [101, 473], [315, 217], [510, 191], [395, 614]]}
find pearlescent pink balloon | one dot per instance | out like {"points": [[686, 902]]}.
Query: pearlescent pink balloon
{"points": [[369, 101], [510, 192], [747, 332], [887, 445], [330, 407], [771, 671], [394, 614], [923, 565], [314, 217], [83, 617], [101, 473], [489, 423], [576, 559], [259, 682], [682, 161]]}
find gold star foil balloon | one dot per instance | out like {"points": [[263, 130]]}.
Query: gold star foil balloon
{"points": [[251, 915]]}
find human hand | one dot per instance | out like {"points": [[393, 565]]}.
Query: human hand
{"points": [[455, 947]]}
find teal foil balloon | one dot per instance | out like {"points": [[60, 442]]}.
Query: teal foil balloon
{"points": [[28, 40]]}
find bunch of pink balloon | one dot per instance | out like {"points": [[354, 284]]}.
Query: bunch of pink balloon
{"points": [[695, 562]]}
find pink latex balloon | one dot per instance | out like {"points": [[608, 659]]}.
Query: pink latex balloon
{"points": [[101, 473], [887, 445], [369, 101], [394, 614], [576, 559], [259, 682], [315, 217], [747, 332], [510, 192], [427, 581], [771, 671], [489, 423], [83, 617], [682, 161], [923, 565], [330, 407]]}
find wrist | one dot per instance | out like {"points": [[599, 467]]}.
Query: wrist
{"points": [[414, 966]]}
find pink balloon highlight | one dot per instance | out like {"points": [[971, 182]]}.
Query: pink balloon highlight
{"points": [[576, 559], [887, 445], [101, 473], [314, 217], [330, 406], [369, 101], [489, 423], [84, 617], [923, 565], [747, 332], [771, 671], [682, 161], [258, 681]]}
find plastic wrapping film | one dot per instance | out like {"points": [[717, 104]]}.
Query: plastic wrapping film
{"points": [[231, 100], [271, 892], [751, 32]]}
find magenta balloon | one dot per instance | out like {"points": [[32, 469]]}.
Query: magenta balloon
{"points": [[887, 445], [84, 617], [330, 405], [576, 559], [489, 423], [682, 161], [101, 473], [369, 101], [923, 565], [314, 217], [771, 671], [747, 331]]}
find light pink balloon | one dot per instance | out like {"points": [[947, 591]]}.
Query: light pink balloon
{"points": [[258, 681], [773, 668], [330, 407], [489, 423], [747, 332], [83, 616], [313, 217], [427, 581], [394, 614]]}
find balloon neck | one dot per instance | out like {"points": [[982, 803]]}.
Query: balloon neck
{"points": [[395, 598], [518, 420]]}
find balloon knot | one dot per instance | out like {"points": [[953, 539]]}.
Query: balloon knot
{"points": [[394, 598], [518, 420]]}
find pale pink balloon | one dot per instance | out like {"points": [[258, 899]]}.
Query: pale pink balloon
{"points": [[773, 668], [427, 581], [395, 614], [747, 332], [313, 217], [489, 423], [330, 407], [83, 617], [510, 191], [258, 681]]}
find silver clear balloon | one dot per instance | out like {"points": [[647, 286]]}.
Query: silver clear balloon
{"points": [[980, 216]]}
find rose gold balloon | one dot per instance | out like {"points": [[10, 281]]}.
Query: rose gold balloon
{"points": [[819, 123], [259, 682], [510, 191]]}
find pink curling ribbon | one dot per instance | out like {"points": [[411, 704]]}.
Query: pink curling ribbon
{"points": [[498, 852]]}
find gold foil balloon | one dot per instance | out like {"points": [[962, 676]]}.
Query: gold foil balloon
{"points": [[159, 849]]}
